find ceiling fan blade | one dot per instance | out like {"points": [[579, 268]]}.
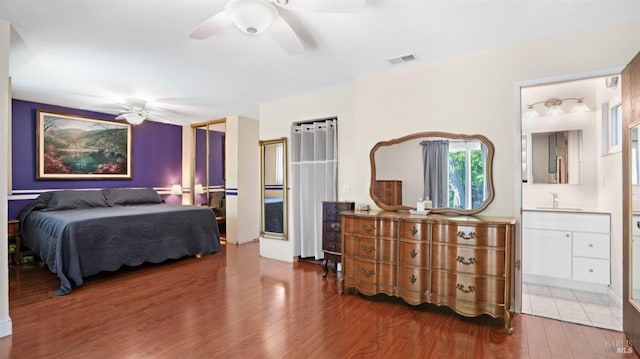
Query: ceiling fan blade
{"points": [[212, 25], [284, 35], [120, 117], [335, 6]]}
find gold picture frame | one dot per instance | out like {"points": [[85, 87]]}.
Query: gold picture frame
{"points": [[81, 148]]}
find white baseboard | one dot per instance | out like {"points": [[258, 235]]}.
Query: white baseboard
{"points": [[6, 328], [566, 283], [615, 297]]}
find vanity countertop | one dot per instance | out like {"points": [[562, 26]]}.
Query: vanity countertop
{"points": [[564, 209]]}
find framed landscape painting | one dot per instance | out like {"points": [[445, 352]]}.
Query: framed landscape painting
{"points": [[76, 147]]}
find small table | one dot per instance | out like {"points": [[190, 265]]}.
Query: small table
{"points": [[13, 228]]}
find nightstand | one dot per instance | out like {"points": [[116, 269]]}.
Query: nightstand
{"points": [[13, 226]]}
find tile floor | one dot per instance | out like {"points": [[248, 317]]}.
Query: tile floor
{"points": [[593, 309]]}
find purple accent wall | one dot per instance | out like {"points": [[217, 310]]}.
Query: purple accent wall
{"points": [[216, 147], [156, 154]]}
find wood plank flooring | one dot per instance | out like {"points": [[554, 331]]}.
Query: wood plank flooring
{"points": [[235, 304]]}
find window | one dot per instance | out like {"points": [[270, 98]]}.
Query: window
{"points": [[466, 175], [611, 128]]}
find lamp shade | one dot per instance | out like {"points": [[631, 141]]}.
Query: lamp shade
{"points": [[176, 189]]}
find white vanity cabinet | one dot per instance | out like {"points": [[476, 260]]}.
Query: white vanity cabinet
{"points": [[565, 248]]}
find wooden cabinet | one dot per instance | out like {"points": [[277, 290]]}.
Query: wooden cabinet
{"points": [[462, 262], [389, 192], [331, 231]]}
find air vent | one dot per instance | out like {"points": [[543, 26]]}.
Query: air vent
{"points": [[402, 59]]}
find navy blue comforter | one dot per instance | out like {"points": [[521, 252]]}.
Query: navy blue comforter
{"points": [[78, 243]]}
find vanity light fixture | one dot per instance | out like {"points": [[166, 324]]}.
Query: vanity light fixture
{"points": [[554, 107]]}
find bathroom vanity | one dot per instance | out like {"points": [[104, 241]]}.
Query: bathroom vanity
{"points": [[567, 248]]}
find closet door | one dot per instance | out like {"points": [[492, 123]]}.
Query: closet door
{"points": [[631, 190]]}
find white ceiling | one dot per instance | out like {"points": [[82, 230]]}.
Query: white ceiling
{"points": [[90, 54]]}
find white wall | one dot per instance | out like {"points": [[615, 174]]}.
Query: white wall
{"points": [[472, 94], [276, 118], [242, 165], [5, 320], [609, 187]]}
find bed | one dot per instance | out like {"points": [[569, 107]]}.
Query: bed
{"points": [[82, 233]]}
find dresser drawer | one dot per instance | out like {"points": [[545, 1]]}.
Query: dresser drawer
{"points": [[591, 270], [469, 235], [369, 248], [414, 279], [360, 226], [414, 230], [468, 288], [593, 245], [414, 253], [331, 210], [468, 259], [331, 237], [368, 272]]}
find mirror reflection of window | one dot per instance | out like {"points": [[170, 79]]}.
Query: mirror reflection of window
{"points": [[467, 163]]}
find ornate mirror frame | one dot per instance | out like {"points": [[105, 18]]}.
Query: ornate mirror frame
{"points": [[268, 189], [489, 170]]}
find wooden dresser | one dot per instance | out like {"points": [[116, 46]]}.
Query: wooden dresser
{"points": [[331, 231], [389, 192], [463, 262]]}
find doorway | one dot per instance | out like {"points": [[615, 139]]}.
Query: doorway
{"points": [[571, 213]]}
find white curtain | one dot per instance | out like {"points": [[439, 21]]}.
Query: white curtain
{"points": [[314, 178]]}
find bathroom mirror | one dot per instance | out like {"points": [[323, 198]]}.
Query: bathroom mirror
{"points": [[555, 157], [453, 170], [273, 188]]}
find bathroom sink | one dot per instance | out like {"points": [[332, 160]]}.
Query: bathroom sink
{"points": [[566, 209]]}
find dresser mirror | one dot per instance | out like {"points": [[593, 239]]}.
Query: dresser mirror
{"points": [[273, 188], [452, 171]]}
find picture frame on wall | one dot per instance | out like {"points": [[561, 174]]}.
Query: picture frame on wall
{"points": [[79, 147]]}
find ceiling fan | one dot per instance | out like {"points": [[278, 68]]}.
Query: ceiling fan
{"points": [[254, 17], [134, 112]]}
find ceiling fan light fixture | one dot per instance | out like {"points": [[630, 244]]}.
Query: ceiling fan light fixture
{"points": [[134, 118], [251, 16]]}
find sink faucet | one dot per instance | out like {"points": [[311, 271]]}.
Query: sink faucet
{"points": [[555, 199]]}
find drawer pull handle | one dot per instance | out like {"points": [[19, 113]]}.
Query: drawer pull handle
{"points": [[467, 262], [590, 270], [468, 289], [414, 230], [413, 253], [367, 273], [638, 224], [368, 229], [369, 250], [470, 236], [590, 245], [412, 279]]}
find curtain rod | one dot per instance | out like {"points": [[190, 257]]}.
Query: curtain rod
{"points": [[313, 121]]}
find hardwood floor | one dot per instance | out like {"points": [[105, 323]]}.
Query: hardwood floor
{"points": [[235, 304]]}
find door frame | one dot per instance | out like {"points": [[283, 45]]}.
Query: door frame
{"points": [[630, 311], [517, 144]]}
